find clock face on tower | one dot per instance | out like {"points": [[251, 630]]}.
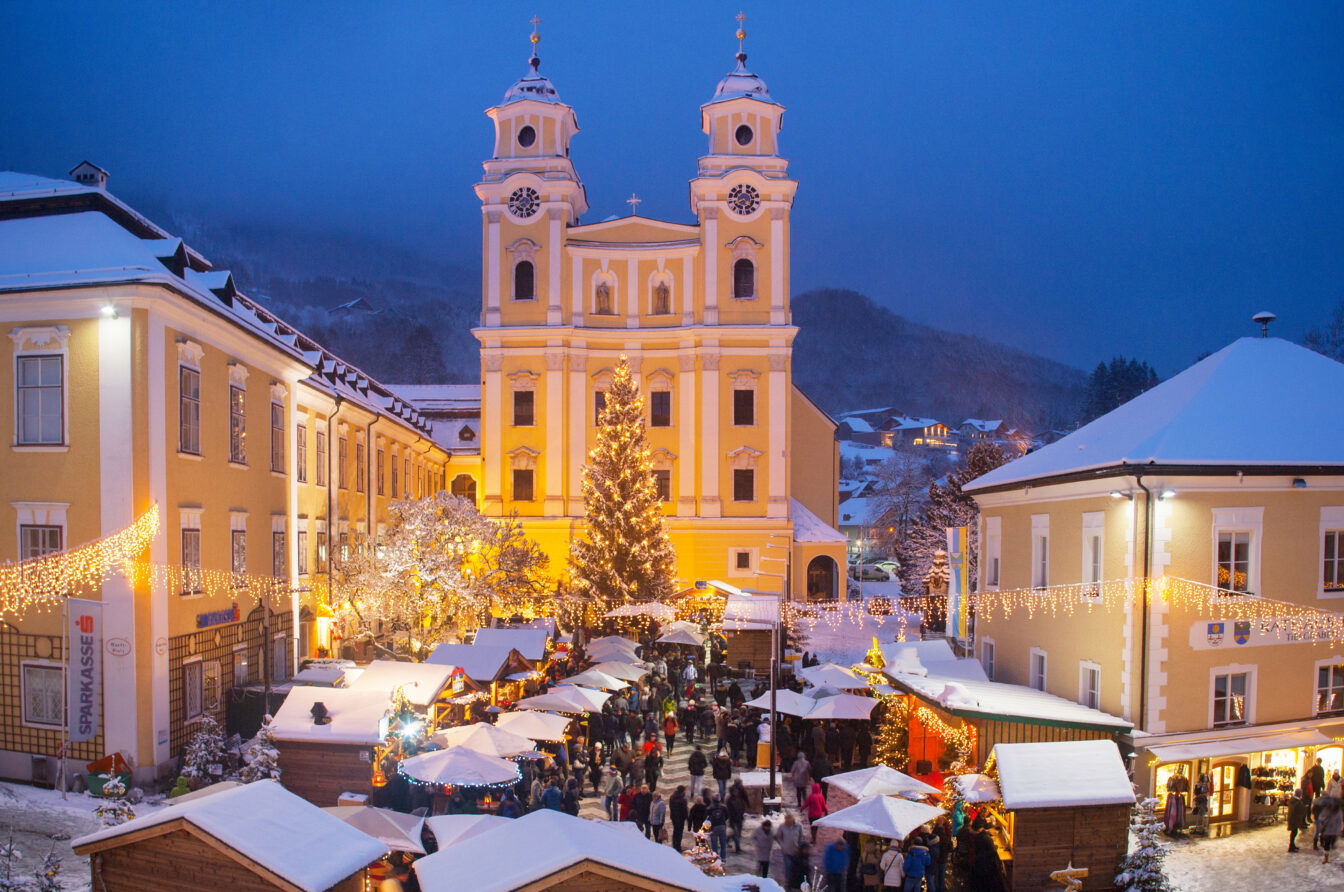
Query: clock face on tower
{"points": [[525, 201], [743, 199]]}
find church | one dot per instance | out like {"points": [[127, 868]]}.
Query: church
{"points": [[746, 464]]}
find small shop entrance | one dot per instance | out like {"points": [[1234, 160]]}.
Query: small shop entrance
{"points": [[1223, 794]]}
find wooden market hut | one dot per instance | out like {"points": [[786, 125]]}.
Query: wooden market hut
{"points": [[497, 668], [563, 853], [531, 643], [1065, 803], [321, 761], [427, 686], [255, 837], [952, 698]]}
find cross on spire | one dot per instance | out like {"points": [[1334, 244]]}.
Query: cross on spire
{"points": [[535, 21], [634, 202], [741, 33]]}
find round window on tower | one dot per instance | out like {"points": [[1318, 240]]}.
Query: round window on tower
{"points": [[743, 135], [527, 136]]}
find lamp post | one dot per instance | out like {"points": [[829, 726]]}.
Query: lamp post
{"points": [[775, 646]]}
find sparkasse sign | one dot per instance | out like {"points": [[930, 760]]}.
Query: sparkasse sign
{"points": [[84, 668]]}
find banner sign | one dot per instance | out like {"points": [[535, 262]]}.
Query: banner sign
{"points": [[1235, 634], [84, 667], [958, 544]]}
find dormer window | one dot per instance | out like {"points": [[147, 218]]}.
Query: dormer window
{"points": [[466, 434]]}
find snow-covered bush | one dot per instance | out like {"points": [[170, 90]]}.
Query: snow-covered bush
{"points": [[46, 878], [204, 759], [116, 810], [1142, 869], [9, 856], [261, 758]]}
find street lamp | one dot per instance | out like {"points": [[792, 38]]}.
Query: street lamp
{"points": [[775, 646]]}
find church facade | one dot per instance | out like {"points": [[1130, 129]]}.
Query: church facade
{"points": [[746, 464]]}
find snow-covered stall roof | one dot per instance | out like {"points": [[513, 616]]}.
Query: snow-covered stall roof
{"points": [[421, 682], [932, 657], [268, 825], [481, 662], [531, 643], [1184, 420], [553, 841], [1063, 774], [746, 610], [808, 527], [356, 715]]}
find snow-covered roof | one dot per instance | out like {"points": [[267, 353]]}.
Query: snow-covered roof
{"points": [[967, 696], [860, 511], [756, 610], [356, 715], [850, 451], [857, 424], [906, 423], [1184, 420], [983, 425], [421, 682], [1062, 774], [741, 84], [807, 527], [531, 643], [270, 826], [553, 841], [481, 662], [532, 86], [441, 396]]}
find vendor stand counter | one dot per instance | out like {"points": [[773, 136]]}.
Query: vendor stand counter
{"points": [[1065, 803]]}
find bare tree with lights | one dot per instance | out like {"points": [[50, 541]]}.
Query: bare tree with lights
{"points": [[437, 571], [626, 555]]}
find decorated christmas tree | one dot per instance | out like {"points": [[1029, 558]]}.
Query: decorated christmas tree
{"points": [[626, 555], [261, 758], [203, 762], [1142, 869], [116, 810], [10, 856], [47, 876], [702, 856]]}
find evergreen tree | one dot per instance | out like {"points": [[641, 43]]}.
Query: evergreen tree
{"points": [[1328, 339], [10, 856], [947, 506], [116, 810], [627, 555], [1112, 385], [936, 581], [204, 759], [262, 758], [47, 876], [1142, 869]]}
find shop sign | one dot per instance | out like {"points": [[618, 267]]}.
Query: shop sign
{"points": [[1236, 634], [217, 617], [118, 647], [85, 668], [459, 680]]}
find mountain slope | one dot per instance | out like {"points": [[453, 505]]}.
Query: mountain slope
{"points": [[851, 353]]}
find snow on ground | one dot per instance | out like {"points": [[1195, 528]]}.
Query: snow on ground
{"points": [[1251, 861], [41, 821]]}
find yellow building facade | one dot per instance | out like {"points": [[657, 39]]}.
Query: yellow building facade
{"points": [[1233, 659], [701, 311], [135, 375]]}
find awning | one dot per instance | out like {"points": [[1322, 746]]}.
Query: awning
{"points": [[1236, 746]]}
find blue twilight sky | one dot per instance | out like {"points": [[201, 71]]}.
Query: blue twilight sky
{"points": [[1076, 178]]}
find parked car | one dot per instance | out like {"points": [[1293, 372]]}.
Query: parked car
{"points": [[890, 566], [869, 571]]}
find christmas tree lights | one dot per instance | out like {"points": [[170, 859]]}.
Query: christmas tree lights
{"points": [[626, 555]]}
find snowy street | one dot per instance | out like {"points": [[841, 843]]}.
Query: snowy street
{"points": [[1251, 861]]}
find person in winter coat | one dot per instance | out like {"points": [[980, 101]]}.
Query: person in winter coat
{"points": [[639, 808], [678, 810], [670, 730], [653, 767], [717, 816], [916, 864], [595, 775], [821, 769], [723, 772], [892, 867], [933, 877], [1297, 819], [815, 806], [986, 868], [762, 842], [657, 816], [510, 807], [623, 803], [737, 812], [696, 765], [870, 874], [863, 739], [800, 774], [791, 839], [834, 864], [611, 792], [550, 797], [695, 816], [1330, 821], [569, 800]]}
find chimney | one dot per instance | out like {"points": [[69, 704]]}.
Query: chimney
{"points": [[86, 173]]}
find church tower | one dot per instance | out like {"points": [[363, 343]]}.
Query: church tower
{"points": [[701, 310]]}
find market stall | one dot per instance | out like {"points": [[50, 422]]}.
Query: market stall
{"points": [[427, 686], [497, 669], [328, 739], [257, 837], [1065, 803]]}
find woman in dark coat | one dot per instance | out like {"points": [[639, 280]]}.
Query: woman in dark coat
{"points": [[986, 869], [737, 812], [678, 810]]}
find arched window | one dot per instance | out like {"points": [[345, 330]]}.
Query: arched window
{"points": [[464, 487], [662, 299], [524, 281], [603, 300], [744, 279]]}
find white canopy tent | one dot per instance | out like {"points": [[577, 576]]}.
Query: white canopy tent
{"points": [[786, 702], [624, 671], [974, 787], [595, 678], [459, 767], [885, 816], [534, 725], [486, 738], [398, 831], [683, 636], [835, 676], [880, 780], [601, 653], [842, 706], [450, 829]]}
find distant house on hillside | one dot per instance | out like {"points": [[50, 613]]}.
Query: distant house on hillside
{"points": [[359, 306], [980, 429], [928, 433], [856, 429]]}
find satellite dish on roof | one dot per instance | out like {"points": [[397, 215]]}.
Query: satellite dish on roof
{"points": [[1264, 317]]}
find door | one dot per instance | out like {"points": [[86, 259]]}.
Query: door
{"points": [[1223, 795]]}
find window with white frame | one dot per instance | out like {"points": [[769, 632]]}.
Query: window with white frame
{"points": [[301, 451], [1037, 669], [279, 557], [987, 657], [238, 550], [210, 690], [193, 693], [301, 544], [406, 477], [1089, 684], [660, 408], [1231, 703], [280, 659], [1234, 560], [277, 438], [662, 481], [189, 410], [240, 667], [342, 453], [1094, 550], [1236, 548], [43, 695], [360, 470], [1040, 550], [1332, 550], [1329, 687], [380, 474], [191, 560], [237, 424], [993, 550], [40, 400], [39, 540]]}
